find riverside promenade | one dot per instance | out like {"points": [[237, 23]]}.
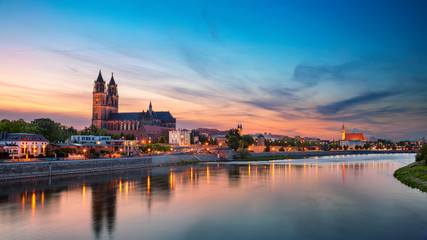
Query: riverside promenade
{"points": [[18, 170], [63, 167]]}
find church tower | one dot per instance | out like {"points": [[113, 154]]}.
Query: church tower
{"points": [[99, 106], [343, 132], [240, 128], [112, 97]]}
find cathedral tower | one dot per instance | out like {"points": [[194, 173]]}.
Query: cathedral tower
{"points": [[343, 132], [99, 106], [112, 97]]}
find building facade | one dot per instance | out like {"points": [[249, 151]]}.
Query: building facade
{"points": [[179, 137], [351, 140], [105, 112], [89, 139], [21, 144]]}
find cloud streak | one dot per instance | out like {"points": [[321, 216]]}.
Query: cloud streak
{"points": [[363, 99]]}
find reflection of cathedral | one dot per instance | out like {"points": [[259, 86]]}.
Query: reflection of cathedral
{"points": [[103, 207], [105, 113]]}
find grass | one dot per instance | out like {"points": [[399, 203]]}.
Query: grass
{"points": [[413, 175]]}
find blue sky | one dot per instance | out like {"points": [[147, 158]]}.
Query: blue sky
{"points": [[289, 67]]}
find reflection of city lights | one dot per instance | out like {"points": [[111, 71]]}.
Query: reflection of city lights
{"points": [[148, 186], [191, 174], [84, 192], [23, 202], [249, 170], [33, 201], [42, 199]]}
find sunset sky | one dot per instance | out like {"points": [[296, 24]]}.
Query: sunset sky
{"points": [[286, 67]]}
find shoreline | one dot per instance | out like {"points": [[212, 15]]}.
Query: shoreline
{"points": [[20, 170], [406, 175]]}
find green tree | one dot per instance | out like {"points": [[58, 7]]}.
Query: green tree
{"points": [[165, 134], [192, 137], [161, 140], [233, 142], [203, 138], [248, 139], [422, 154], [243, 144], [241, 153], [233, 132]]}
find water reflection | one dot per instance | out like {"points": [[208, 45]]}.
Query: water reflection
{"points": [[103, 207], [158, 188]]}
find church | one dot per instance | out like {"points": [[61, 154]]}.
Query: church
{"points": [[105, 114], [351, 140]]}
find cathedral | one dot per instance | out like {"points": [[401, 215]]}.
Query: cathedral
{"points": [[105, 114]]}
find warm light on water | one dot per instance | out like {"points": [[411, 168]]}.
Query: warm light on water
{"points": [[347, 197]]}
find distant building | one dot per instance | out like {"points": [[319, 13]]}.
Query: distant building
{"points": [[105, 113], [89, 139], [179, 137], [20, 144], [260, 141], [240, 129], [222, 140], [351, 140]]}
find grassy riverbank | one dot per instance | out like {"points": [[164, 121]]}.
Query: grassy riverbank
{"points": [[413, 175]]}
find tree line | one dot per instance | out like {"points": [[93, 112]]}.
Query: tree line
{"points": [[55, 132]]}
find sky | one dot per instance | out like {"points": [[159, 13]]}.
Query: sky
{"points": [[298, 68]]}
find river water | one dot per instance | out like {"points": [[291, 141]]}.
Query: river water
{"points": [[340, 197]]}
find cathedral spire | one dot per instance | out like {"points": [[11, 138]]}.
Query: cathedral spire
{"points": [[100, 79], [112, 82], [150, 108]]}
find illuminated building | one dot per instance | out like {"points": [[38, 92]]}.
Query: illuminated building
{"points": [[351, 140], [179, 137], [20, 144], [105, 114], [240, 129]]}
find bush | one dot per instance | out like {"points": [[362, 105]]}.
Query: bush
{"points": [[92, 154], [241, 153], [281, 149], [422, 154]]}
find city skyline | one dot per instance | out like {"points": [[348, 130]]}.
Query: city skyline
{"points": [[282, 68]]}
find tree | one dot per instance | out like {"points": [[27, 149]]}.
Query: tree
{"points": [[422, 154], [233, 132], [203, 138], [192, 137], [165, 134], [161, 140], [241, 153], [248, 139], [243, 144], [233, 142]]}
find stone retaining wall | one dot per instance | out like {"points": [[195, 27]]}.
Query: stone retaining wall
{"points": [[324, 153], [49, 168]]}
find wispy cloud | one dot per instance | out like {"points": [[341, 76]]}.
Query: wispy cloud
{"points": [[209, 22], [365, 98]]}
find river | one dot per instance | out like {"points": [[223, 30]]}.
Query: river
{"points": [[339, 197]]}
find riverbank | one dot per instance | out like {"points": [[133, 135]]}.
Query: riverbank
{"points": [[18, 170], [55, 168], [414, 175]]}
